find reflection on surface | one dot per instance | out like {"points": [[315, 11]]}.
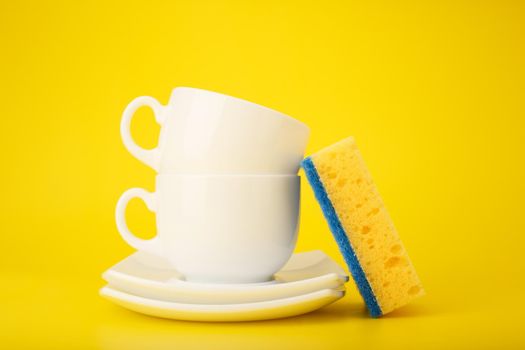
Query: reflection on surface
{"points": [[314, 330], [139, 331]]}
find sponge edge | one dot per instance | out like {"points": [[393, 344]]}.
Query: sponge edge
{"points": [[340, 236], [362, 227]]}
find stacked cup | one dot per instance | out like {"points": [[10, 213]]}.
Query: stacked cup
{"points": [[227, 189]]}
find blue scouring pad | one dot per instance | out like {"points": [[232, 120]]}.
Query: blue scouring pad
{"points": [[341, 238]]}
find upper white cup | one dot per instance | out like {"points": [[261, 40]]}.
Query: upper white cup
{"points": [[204, 132]]}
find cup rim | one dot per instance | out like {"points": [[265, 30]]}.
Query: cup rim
{"points": [[203, 175], [238, 99]]}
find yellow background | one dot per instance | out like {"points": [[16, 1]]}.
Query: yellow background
{"points": [[433, 91]]}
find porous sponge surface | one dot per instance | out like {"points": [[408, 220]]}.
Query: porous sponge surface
{"points": [[367, 225]]}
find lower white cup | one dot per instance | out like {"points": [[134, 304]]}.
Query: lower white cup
{"points": [[220, 228]]}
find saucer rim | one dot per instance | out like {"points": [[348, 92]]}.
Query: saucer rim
{"points": [[114, 294], [190, 286]]}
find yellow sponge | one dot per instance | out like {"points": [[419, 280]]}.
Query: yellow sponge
{"points": [[362, 227]]}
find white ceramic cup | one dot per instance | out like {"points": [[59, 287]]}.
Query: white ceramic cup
{"points": [[206, 132], [220, 228]]}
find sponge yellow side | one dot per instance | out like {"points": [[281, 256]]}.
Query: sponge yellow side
{"points": [[367, 224]]}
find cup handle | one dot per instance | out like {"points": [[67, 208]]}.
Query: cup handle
{"points": [[149, 157], [147, 245]]}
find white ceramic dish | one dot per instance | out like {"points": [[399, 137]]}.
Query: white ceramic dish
{"points": [[263, 310], [204, 132], [220, 228], [152, 277]]}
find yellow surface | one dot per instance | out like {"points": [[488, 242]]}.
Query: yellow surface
{"points": [[433, 91], [367, 224]]}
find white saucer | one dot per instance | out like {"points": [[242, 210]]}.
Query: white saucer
{"points": [[148, 276], [262, 310]]}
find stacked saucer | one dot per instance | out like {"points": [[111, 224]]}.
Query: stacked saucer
{"points": [[227, 215], [150, 285]]}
